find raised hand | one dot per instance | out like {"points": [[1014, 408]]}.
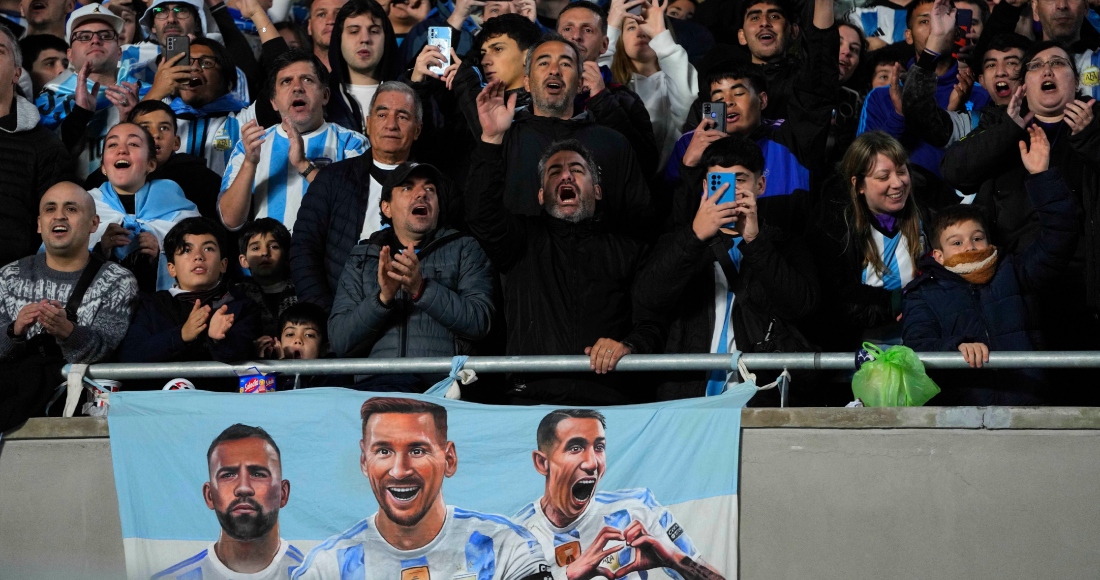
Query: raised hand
{"points": [[463, 8], [430, 56], [171, 75], [620, 11], [592, 79], [124, 96], [220, 323], [84, 98], [115, 236], [711, 215], [1036, 158], [388, 286], [1079, 115], [960, 93], [654, 22], [1015, 105], [704, 135], [297, 154], [196, 322], [252, 135], [895, 89], [494, 114], [748, 224], [405, 269], [943, 27], [268, 347], [449, 72], [527, 9]]}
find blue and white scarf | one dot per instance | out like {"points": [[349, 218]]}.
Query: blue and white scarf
{"points": [[158, 206]]}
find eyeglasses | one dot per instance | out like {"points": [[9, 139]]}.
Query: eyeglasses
{"points": [[87, 35], [205, 62], [1056, 63], [181, 13]]}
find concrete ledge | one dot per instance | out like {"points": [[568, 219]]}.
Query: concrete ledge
{"points": [[1042, 418]]}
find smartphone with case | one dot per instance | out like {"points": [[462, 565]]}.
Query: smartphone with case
{"points": [[964, 21], [174, 45], [716, 112], [636, 11], [715, 181], [441, 36]]}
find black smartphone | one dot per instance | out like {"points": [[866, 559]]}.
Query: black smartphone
{"points": [[964, 22], [716, 112], [174, 45]]}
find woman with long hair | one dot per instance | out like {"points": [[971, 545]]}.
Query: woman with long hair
{"points": [[135, 214], [870, 237], [647, 60]]}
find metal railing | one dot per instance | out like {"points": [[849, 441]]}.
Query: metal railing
{"points": [[580, 364]]}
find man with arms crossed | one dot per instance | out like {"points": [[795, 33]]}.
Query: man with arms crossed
{"points": [[246, 491], [415, 535], [571, 516]]}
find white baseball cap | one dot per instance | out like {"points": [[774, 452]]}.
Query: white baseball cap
{"points": [[93, 11]]}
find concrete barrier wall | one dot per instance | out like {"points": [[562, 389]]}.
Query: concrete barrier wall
{"points": [[825, 493]]}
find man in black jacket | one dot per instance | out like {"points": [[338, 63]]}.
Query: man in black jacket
{"points": [[31, 159], [342, 205], [742, 282], [570, 286]]}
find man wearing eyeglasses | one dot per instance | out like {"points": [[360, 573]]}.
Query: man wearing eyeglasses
{"points": [[90, 98]]}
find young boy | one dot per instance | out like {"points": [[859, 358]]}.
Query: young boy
{"points": [[303, 334], [971, 299], [198, 320], [265, 252]]}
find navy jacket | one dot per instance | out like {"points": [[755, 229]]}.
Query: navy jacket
{"points": [[942, 310]]}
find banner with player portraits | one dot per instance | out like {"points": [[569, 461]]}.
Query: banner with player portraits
{"points": [[290, 484]]}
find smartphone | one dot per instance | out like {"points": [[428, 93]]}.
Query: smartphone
{"points": [[636, 11], [715, 180], [174, 45], [716, 112], [441, 36], [964, 21]]}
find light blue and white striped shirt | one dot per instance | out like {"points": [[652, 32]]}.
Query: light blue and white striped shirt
{"points": [[206, 566], [278, 188]]}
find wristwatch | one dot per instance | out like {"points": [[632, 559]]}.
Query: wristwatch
{"points": [[310, 169]]}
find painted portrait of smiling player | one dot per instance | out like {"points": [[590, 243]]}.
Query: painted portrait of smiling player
{"points": [[587, 533], [415, 535]]}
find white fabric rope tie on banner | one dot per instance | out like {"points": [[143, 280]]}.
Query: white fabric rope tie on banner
{"points": [[448, 388], [747, 376]]}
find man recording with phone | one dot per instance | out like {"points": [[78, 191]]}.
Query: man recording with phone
{"points": [[741, 282]]}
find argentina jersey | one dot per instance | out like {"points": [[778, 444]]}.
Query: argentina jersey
{"points": [[206, 566], [211, 138], [883, 22], [278, 188], [895, 256], [470, 546], [1088, 63], [616, 509]]}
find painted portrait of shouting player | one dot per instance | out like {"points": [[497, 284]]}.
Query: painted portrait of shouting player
{"points": [[587, 533]]}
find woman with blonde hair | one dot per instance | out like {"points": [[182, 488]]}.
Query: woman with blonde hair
{"points": [[870, 237], [644, 57]]}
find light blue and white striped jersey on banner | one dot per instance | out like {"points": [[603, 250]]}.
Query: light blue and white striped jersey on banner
{"points": [[617, 509], [278, 188], [881, 22], [470, 546], [206, 566], [895, 256], [58, 99], [142, 60]]}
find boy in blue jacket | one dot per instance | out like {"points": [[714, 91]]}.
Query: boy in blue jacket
{"points": [[969, 298], [199, 319]]}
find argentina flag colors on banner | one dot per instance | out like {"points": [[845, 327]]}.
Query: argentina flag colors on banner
{"points": [[645, 492]]}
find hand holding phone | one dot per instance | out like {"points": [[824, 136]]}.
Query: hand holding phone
{"points": [[716, 112], [440, 36], [174, 45]]}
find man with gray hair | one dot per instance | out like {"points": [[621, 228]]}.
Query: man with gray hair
{"points": [[571, 286], [343, 202]]}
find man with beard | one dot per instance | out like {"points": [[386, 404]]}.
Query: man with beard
{"points": [[584, 288], [585, 533], [415, 534], [246, 491]]}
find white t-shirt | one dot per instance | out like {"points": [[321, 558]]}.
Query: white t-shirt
{"points": [[373, 221], [470, 546], [206, 566], [362, 94], [616, 509]]}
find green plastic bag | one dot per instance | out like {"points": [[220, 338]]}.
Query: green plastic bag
{"points": [[895, 378]]}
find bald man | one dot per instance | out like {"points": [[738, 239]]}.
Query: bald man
{"points": [[35, 290]]}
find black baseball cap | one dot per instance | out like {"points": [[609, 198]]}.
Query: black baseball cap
{"points": [[408, 170]]}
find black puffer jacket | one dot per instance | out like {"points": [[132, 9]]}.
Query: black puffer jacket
{"points": [[565, 286], [988, 161], [942, 310], [32, 159]]}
